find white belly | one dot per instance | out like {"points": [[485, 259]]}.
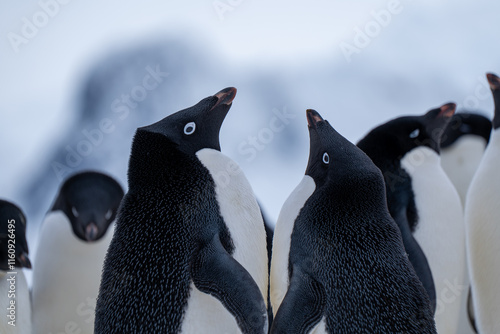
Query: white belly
{"points": [[66, 278], [320, 327], [242, 216], [282, 239], [22, 312], [482, 212], [206, 314], [440, 233], [461, 160]]}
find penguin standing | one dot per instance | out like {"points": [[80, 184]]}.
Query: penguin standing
{"points": [[189, 250], [72, 244], [14, 293], [339, 264], [423, 201], [483, 229], [462, 147]]}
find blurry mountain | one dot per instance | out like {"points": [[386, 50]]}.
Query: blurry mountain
{"points": [[140, 85]]}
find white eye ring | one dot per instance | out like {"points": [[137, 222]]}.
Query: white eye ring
{"points": [[326, 158], [190, 128], [73, 210], [414, 133], [108, 214]]}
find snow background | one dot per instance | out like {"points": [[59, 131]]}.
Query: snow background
{"points": [[280, 55]]}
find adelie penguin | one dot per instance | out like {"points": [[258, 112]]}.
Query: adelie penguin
{"points": [[425, 205], [339, 264], [189, 250], [462, 147], [14, 293], [72, 244], [482, 212]]}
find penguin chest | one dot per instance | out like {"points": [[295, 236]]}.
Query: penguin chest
{"points": [[482, 213], [241, 214], [206, 314], [440, 231], [282, 239], [66, 277], [461, 160], [17, 317]]}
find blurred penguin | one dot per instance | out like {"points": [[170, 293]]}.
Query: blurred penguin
{"points": [[482, 213], [462, 147], [73, 240]]}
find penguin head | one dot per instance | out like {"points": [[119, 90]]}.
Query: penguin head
{"points": [[401, 135], [335, 160], [464, 124], [494, 82], [169, 146], [13, 244], [90, 201], [197, 127]]}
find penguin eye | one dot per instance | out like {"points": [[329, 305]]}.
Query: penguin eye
{"points": [[414, 133], [326, 158], [73, 210], [108, 214], [190, 128]]}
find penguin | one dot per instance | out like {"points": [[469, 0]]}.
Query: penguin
{"points": [[462, 147], [483, 229], [425, 204], [14, 292], [339, 264], [189, 250], [72, 243]]}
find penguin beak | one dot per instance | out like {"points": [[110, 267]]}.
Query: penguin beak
{"points": [[24, 260], [494, 81], [437, 120], [225, 97], [91, 232], [313, 118]]}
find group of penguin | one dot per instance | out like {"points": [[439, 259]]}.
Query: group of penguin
{"points": [[397, 234]]}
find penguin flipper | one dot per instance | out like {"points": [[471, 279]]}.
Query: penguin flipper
{"points": [[416, 255], [303, 306], [217, 273]]}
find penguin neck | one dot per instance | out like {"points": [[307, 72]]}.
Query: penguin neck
{"points": [[157, 163], [418, 158]]}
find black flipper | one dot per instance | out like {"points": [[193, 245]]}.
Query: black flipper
{"points": [[215, 272], [303, 306], [417, 258]]}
